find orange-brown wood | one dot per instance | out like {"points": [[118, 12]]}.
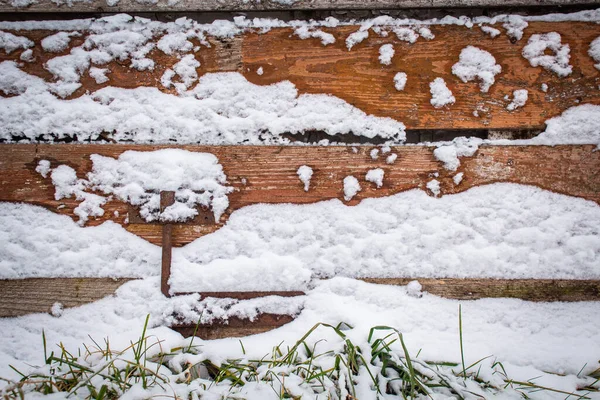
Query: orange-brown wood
{"points": [[167, 199], [358, 77], [267, 174]]}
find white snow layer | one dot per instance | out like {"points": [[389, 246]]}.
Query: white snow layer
{"points": [[493, 32], [520, 97], [400, 81], [498, 231], [475, 63], [138, 177], [558, 62], [305, 173], [40, 243], [223, 108], [434, 186], [440, 94], [577, 125], [57, 42]]}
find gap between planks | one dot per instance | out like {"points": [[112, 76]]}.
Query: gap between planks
{"points": [[35, 295]]}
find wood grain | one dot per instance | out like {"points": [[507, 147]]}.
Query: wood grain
{"points": [[234, 327], [266, 5], [37, 295], [359, 78], [267, 174], [526, 289]]}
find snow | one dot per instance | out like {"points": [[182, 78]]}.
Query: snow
{"points": [[448, 153], [391, 158], [558, 62], [457, 179], [594, 51], [223, 108], [10, 42], [434, 186], [99, 74], [43, 168], [351, 187], [386, 52], [440, 94], [41, 243], [414, 289], [355, 38], [304, 32], [27, 55], [406, 34], [375, 176], [519, 99], [305, 173], [260, 71], [514, 25], [138, 178], [400, 81], [544, 87], [493, 32], [576, 125], [57, 309], [174, 42], [475, 63], [374, 153], [426, 33], [185, 69], [57, 42]]}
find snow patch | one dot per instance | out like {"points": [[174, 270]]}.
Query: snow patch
{"points": [[520, 97], [99, 74], [400, 81], [558, 62], [475, 63], [594, 51], [414, 289], [391, 158], [305, 173], [493, 32], [351, 187], [386, 52], [304, 32], [449, 153], [440, 94], [375, 176], [57, 42], [515, 25], [434, 186], [457, 179], [10, 42]]}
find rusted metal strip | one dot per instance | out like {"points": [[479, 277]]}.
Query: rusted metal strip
{"points": [[167, 198]]}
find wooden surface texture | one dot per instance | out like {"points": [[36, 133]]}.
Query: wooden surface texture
{"points": [[358, 77]]}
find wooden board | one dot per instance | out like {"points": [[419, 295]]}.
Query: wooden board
{"points": [[244, 5], [37, 295], [359, 78], [25, 296], [267, 174]]}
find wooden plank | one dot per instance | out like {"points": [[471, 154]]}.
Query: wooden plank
{"points": [[267, 5], [357, 76], [234, 327], [37, 295], [526, 289], [267, 174], [25, 296], [166, 199]]}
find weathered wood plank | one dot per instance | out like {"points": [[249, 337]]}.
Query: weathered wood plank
{"points": [[234, 327], [359, 78], [526, 289], [267, 5], [25, 296], [267, 174]]}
